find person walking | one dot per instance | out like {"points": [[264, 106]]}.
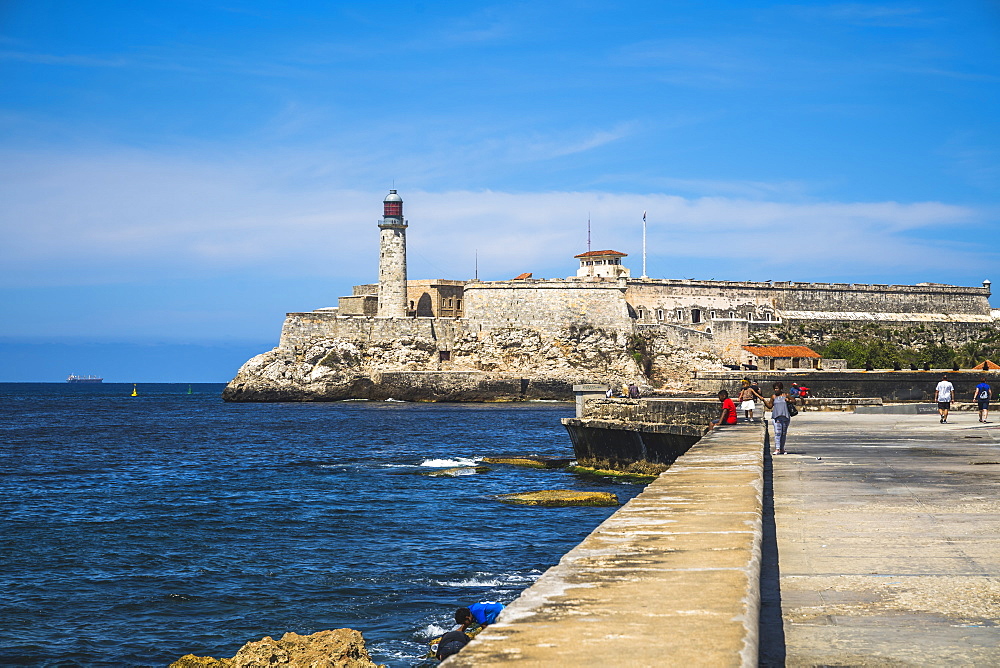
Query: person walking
{"points": [[982, 395], [942, 395], [746, 399], [781, 416]]}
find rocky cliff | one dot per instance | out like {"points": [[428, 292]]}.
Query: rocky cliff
{"points": [[507, 364]]}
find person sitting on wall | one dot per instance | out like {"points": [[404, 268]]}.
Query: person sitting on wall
{"points": [[727, 412]]}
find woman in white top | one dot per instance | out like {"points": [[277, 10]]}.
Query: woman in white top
{"points": [[780, 416]]}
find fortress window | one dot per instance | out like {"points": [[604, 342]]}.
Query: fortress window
{"points": [[732, 315], [444, 355], [680, 314], [458, 303], [750, 316], [711, 315], [641, 314], [767, 316], [659, 314], [412, 305]]}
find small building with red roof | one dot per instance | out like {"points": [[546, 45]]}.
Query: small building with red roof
{"points": [[783, 357], [602, 264]]}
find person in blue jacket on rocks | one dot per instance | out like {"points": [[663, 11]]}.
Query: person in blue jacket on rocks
{"points": [[483, 613]]}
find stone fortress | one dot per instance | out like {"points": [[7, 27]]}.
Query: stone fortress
{"points": [[533, 338]]}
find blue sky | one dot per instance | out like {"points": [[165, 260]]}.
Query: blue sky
{"points": [[181, 174]]}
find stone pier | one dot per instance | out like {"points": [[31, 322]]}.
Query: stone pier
{"points": [[874, 542], [669, 579]]}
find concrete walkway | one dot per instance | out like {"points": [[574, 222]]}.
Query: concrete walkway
{"points": [[884, 544], [671, 579]]}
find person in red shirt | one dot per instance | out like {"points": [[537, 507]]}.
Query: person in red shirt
{"points": [[727, 412]]}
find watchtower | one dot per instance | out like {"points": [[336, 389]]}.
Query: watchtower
{"points": [[392, 259], [602, 264]]}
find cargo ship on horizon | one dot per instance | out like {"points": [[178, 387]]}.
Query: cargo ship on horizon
{"points": [[73, 378]]}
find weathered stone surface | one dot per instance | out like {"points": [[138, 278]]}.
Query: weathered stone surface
{"points": [[192, 661], [340, 648], [886, 551], [557, 498], [670, 579], [848, 385], [325, 358]]}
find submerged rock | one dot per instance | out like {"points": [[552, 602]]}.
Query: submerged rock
{"points": [[459, 471], [610, 473], [531, 462], [340, 648], [557, 498]]}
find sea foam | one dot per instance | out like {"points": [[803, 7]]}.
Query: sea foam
{"points": [[445, 463]]}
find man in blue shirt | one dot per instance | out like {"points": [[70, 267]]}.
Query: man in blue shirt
{"points": [[483, 613], [982, 396]]}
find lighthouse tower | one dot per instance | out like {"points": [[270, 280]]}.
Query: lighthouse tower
{"points": [[392, 259]]}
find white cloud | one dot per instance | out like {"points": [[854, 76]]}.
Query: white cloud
{"points": [[105, 218]]}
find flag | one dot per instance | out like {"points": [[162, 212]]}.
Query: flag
{"points": [[644, 216]]}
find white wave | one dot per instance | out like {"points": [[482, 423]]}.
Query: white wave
{"points": [[446, 463], [472, 582], [433, 631]]}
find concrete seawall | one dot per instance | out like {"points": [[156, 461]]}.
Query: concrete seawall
{"points": [[889, 385], [623, 431], [671, 579]]}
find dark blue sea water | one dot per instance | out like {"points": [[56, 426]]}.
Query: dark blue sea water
{"points": [[139, 529]]}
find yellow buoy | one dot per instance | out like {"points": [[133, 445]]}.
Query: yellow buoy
{"points": [[134, 393]]}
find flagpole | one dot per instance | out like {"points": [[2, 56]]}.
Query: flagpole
{"points": [[644, 245]]}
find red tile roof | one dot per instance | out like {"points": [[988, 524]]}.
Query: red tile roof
{"points": [[603, 252], [988, 365], [781, 351], [521, 277]]}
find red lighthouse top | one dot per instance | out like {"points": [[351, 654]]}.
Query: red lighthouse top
{"points": [[392, 205]]}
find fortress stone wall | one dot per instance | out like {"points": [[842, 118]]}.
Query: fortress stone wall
{"points": [[716, 317], [594, 328], [698, 302], [547, 305], [302, 330]]}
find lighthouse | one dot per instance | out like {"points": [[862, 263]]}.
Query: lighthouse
{"points": [[392, 259]]}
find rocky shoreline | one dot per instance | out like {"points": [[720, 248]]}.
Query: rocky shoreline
{"points": [[339, 648], [507, 365]]}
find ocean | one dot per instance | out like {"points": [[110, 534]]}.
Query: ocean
{"points": [[139, 529]]}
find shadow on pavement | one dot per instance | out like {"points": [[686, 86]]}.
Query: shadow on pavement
{"points": [[771, 648]]}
